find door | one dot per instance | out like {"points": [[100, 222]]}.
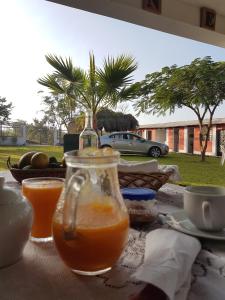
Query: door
{"points": [[136, 144], [149, 135], [176, 139], [190, 140], [118, 142]]}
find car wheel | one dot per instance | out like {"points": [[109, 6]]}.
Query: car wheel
{"points": [[105, 146], [154, 152]]}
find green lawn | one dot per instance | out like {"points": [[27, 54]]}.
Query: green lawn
{"points": [[192, 170], [16, 152]]}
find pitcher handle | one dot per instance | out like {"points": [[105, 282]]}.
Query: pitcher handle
{"points": [[206, 214], [74, 187]]}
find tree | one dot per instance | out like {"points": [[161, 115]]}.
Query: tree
{"points": [[78, 123], [58, 111], [123, 107], [115, 121], [199, 86], [39, 132], [95, 88], [5, 109]]}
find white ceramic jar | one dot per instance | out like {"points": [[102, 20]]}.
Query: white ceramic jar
{"points": [[16, 217]]}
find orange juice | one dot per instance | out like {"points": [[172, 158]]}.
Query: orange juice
{"points": [[43, 195], [99, 237]]}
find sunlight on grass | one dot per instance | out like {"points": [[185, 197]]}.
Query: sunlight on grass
{"points": [[192, 170], [16, 152]]}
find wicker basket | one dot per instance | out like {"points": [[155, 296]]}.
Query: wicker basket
{"points": [[19, 174], [149, 180]]}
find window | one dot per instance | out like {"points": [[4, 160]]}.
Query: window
{"points": [[137, 138], [149, 134], [139, 132], [116, 136], [130, 137]]}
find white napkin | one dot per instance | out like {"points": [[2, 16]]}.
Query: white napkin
{"points": [[168, 260], [148, 167], [139, 167], [175, 176], [209, 275]]}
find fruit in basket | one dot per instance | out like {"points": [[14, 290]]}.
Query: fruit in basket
{"points": [[28, 167], [54, 165], [15, 166], [25, 159], [53, 162], [36, 160], [53, 159], [39, 160], [63, 162]]}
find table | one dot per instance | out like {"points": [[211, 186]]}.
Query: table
{"points": [[41, 274]]}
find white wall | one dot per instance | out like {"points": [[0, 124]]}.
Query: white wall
{"points": [[144, 134], [11, 141], [214, 144]]}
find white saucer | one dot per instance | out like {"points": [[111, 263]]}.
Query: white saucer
{"points": [[179, 221]]}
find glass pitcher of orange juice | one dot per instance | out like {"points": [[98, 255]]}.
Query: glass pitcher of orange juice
{"points": [[90, 225]]}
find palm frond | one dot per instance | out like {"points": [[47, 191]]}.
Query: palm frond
{"points": [[92, 70], [50, 81], [65, 69], [108, 85], [116, 72]]}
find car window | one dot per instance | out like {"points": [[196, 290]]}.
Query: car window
{"points": [[130, 136], [136, 138], [125, 136], [116, 136]]}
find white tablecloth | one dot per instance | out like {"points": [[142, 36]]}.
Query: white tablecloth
{"points": [[41, 274]]}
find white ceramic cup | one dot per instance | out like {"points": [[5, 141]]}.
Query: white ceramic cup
{"points": [[205, 207]]}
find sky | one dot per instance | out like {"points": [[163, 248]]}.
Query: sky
{"points": [[31, 29]]}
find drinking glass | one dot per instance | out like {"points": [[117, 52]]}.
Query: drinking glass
{"points": [[43, 193]]}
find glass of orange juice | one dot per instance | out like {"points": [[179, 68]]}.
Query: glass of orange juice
{"points": [[43, 193], [90, 224]]}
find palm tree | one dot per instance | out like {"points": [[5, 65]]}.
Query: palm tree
{"points": [[96, 88]]}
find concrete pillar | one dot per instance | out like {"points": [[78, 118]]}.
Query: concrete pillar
{"points": [[185, 140], [144, 134], [167, 137], [24, 133], [214, 144]]}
